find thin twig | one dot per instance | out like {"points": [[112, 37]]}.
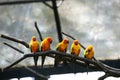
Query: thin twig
{"points": [[15, 40], [39, 33], [20, 2], [14, 48], [73, 39], [47, 4]]}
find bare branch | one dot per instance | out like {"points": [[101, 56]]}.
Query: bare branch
{"points": [[21, 2], [14, 48], [40, 36], [47, 4], [108, 70], [15, 40]]}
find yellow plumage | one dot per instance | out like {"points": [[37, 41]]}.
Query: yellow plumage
{"points": [[75, 48], [45, 46], [89, 52], [34, 44], [34, 47], [62, 47]]}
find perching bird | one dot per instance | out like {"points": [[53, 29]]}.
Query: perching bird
{"points": [[62, 47], [34, 47], [45, 46], [75, 48], [89, 53]]}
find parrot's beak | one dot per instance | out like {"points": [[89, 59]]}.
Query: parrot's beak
{"points": [[68, 42], [89, 51], [34, 39], [50, 42]]}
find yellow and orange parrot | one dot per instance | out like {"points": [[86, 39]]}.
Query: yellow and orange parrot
{"points": [[45, 46], [75, 49], [62, 47], [89, 54], [34, 47]]}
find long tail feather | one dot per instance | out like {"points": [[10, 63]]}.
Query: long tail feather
{"points": [[43, 60], [35, 60]]}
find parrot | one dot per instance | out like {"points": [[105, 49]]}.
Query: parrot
{"points": [[89, 53], [45, 46], [75, 50], [34, 47], [62, 47]]}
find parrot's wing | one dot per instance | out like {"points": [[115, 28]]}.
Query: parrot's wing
{"points": [[85, 53], [41, 46], [72, 49], [79, 50], [38, 47], [30, 46], [57, 47]]}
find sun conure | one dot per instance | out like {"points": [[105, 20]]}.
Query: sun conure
{"points": [[75, 48], [62, 47], [45, 46], [89, 54], [34, 47]]}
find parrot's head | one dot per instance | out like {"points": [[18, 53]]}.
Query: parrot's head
{"points": [[89, 48], [76, 42], [49, 39], [34, 38], [66, 41]]}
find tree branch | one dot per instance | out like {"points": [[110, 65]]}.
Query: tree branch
{"points": [[20, 2], [99, 65], [103, 77], [39, 33], [15, 40], [13, 48], [47, 4]]}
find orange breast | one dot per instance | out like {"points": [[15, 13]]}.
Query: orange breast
{"points": [[35, 47], [46, 46], [76, 52], [62, 47]]}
